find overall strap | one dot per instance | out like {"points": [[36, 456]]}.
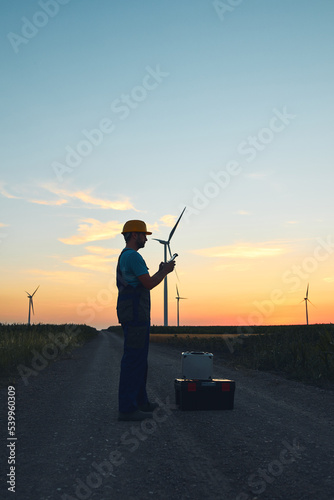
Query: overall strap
{"points": [[133, 303], [120, 281]]}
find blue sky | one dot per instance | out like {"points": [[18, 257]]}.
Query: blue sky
{"points": [[181, 91]]}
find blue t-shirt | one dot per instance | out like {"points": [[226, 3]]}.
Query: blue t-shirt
{"points": [[132, 265]]}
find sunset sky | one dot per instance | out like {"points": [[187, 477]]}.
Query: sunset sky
{"points": [[134, 110]]}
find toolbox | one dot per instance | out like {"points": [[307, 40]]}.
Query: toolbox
{"points": [[215, 394], [197, 365]]}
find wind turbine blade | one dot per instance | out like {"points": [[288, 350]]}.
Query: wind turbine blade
{"points": [[163, 242], [177, 292], [307, 290], [170, 252], [173, 230], [27, 293], [32, 305], [308, 300], [35, 291]]}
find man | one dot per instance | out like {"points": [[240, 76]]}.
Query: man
{"points": [[133, 310]]}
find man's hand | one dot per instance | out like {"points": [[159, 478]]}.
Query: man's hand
{"points": [[167, 267], [150, 282]]}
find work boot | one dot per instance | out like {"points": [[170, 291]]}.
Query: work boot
{"points": [[148, 407], [134, 416]]}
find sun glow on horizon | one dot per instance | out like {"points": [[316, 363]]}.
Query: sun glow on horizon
{"points": [[172, 114]]}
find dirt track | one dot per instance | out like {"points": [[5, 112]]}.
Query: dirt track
{"points": [[276, 444]]}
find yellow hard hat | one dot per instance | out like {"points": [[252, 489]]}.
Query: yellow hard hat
{"points": [[135, 226]]}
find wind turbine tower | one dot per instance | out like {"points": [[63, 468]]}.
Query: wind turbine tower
{"points": [[306, 299], [178, 298], [31, 304], [167, 245]]}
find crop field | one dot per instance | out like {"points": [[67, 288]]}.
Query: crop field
{"points": [[169, 337], [301, 352], [25, 349]]}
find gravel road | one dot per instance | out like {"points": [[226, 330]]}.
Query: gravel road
{"points": [[276, 444]]}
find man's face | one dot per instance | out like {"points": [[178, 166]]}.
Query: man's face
{"points": [[141, 240]]}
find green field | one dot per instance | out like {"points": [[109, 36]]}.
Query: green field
{"points": [[24, 351], [301, 352]]}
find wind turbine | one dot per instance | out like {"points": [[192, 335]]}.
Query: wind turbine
{"points": [[167, 245], [31, 304], [306, 301], [178, 298]]}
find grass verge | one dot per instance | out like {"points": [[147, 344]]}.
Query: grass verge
{"points": [[304, 353], [27, 349]]}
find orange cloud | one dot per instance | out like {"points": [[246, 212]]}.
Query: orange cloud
{"points": [[94, 230], [103, 251], [99, 259], [49, 203], [65, 195], [243, 212], [105, 204], [88, 199], [5, 193], [92, 262], [168, 220], [242, 251]]}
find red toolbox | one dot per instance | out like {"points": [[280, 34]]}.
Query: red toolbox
{"points": [[215, 394]]}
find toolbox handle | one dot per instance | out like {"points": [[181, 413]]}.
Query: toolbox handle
{"points": [[195, 352], [186, 353]]}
